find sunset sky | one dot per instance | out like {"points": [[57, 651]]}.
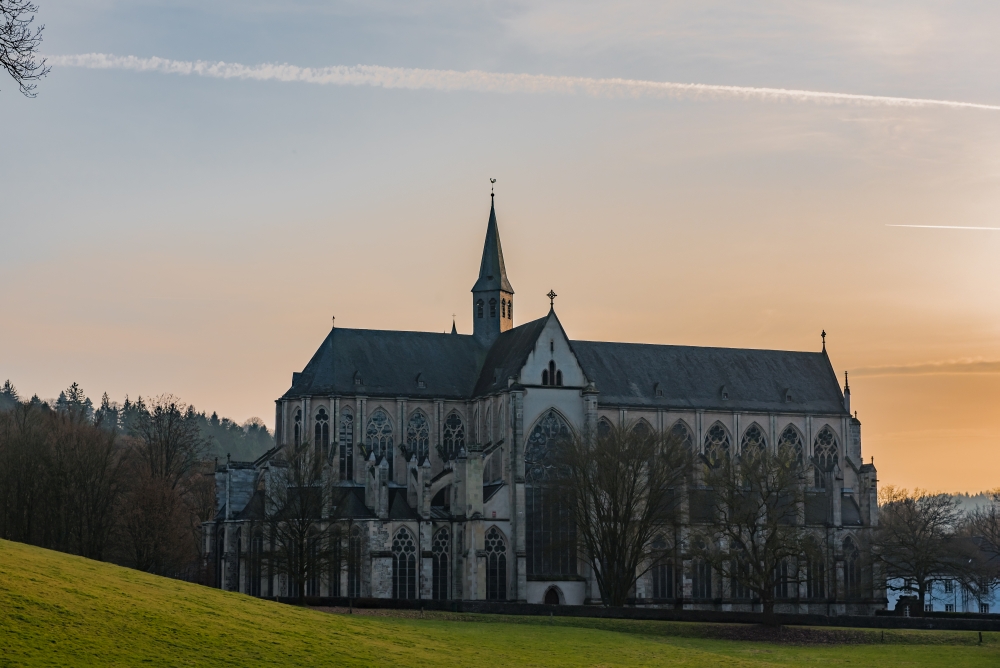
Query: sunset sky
{"points": [[166, 232]]}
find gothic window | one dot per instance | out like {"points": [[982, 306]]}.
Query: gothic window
{"points": [[298, 426], [322, 430], [510, 308], [335, 565], [550, 533], [378, 437], [558, 378], [825, 449], [501, 422], [852, 569], [604, 428], [236, 561], [791, 441], [454, 435], [493, 308], [345, 438], [489, 424], [441, 551], [663, 570], [642, 429], [739, 571], [753, 442], [479, 308], [716, 444], [496, 566], [255, 570], [682, 434], [503, 308], [552, 376], [815, 574], [312, 565], [220, 558], [354, 563], [545, 376], [701, 579], [781, 579], [418, 436], [404, 565]]}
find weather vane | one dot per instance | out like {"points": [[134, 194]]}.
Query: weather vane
{"points": [[492, 181], [552, 298]]}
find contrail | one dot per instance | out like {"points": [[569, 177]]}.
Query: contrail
{"points": [[491, 82], [947, 227]]}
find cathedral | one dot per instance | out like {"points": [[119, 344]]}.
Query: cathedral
{"points": [[438, 440]]}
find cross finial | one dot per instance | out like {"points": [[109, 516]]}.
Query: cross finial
{"points": [[823, 334], [847, 385], [333, 320], [552, 298], [492, 181]]}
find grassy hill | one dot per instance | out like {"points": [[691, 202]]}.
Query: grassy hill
{"points": [[57, 609]]}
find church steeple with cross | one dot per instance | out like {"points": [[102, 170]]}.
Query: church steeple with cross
{"points": [[492, 295]]}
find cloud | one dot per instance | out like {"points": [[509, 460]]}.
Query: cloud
{"points": [[952, 367], [487, 82]]}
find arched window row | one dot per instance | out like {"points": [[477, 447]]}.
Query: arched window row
{"points": [[552, 376], [754, 442], [404, 565]]}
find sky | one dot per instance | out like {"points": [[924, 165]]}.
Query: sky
{"points": [[180, 233]]}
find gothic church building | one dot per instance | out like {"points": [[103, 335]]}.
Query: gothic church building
{"points": [[440, 440]]}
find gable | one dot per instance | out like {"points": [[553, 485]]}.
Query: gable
{"points": [[552, 345]]}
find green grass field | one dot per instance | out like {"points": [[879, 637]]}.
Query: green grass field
{"points": [[57, 609]]}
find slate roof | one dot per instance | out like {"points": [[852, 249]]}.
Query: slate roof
{"points": [[456, 366], [693, 377], [391, 363]]}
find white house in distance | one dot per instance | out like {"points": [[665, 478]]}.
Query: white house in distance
{"points": [[443, 441]]}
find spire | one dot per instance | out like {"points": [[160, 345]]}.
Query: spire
{"points": [[492, 274], [454, 329]]}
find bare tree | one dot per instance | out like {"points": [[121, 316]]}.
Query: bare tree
{"points": [[168, 440], [980, 533], [19, 44], [916, 539], [24, 444], [155, 526], [302, 508], [621, 488], [757, 539]]}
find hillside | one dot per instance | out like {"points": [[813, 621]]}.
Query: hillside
{"points": [[57, 609]]}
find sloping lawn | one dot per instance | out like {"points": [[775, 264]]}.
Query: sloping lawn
{"points": [[59, 610]]}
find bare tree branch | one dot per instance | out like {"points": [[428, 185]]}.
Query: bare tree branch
{"points": [[19, 44]]}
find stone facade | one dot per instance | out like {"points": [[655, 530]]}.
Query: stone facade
{"points": [[437, 437]]}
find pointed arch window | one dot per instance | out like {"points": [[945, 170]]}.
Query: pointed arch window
{"points": [[604, 428], [378, 437], [454, 435], [441, 556], [345, 438], [663, 570], [404, 565], [825, 449], [682, 435], [255, 567], [493, 308], [550, 532], [298, 427], [479, 308], [552, 375], [489, 424], [354, 562], [510, 308], [322, 431], [418, 436], [503, 308], [852, 569], [716, 444], [642, 429], [791, 441], [754, 443], [815, 571], [496, 565]]}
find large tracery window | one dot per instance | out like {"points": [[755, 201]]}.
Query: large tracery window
{"points": [[663, 570], [551, 535], [642, 429], [441, 551], [852, 570], [404, 565], [716, 444], [454, 435], [345, 438], [255, 567], [298, 427], [604, 428], [754, 442], [418, 436], [682, 434], [791, 441], [496, 566], [322, 431], [825, 449], [378, 437], [354, 562]]}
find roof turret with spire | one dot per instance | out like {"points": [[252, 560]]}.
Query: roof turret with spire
{"points": [[492, 295]]}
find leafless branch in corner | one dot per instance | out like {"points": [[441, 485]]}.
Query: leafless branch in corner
{"points": [[19, 44]]}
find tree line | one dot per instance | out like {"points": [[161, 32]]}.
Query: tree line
{"points": [[130, 484]]}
